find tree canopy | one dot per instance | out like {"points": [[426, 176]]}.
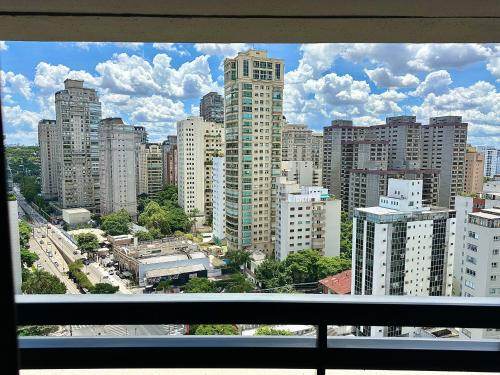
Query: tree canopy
{"points": [[87, 242], [200, 285], [116, 223], [144, 235], [42, 282], [271, 331], [304, 266], [163, 220], [238, 258], [345, 236], [104, 288], [216, 329], [237, 283]]}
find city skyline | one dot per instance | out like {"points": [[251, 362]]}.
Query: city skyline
{"points": [[156, 85]]}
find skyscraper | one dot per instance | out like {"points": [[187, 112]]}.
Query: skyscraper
{"points": [[218, 198], [47, 140], [150, 168], [402, 248], [169, 148], [491, 160], [78, 112], [117, 175], [474, 170], [296, 142], [212, 108], [198, 142], [253, 86]]}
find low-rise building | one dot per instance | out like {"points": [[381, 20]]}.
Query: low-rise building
{"points": [[307, 217], [172, 258], [337, 284], [75, 216]]}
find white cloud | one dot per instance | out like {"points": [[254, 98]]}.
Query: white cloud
{"points": [[320, 56], [436, 82], [129, 45], [383, 77], [21, 137], [86, 45], [195, 110], [51, 77], [126, 45], [15, 83], [171, 47], [3, 46], [16, 117], [494, 64], [221, 49]]}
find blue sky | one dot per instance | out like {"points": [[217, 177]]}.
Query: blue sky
{"points": [[157, 84]]}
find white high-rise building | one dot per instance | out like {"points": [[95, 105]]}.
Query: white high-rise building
{"points": [[198, 142], [491, 160], [253, 89], [481, 267], [307, 218], [150, 167], [117, 167], [402, 248], [218, 197], [78, 112], [303, 172], [47, 140]]}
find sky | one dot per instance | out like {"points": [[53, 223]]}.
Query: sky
{"points": [[157, 84]]}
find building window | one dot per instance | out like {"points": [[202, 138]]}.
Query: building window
{"points": [[245, 68]]}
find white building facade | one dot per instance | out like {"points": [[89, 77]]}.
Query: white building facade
{"points": [[218, 197], [402, 248], [47, 140], [303, 172], [491, 160], [306, 218], [116, 164]]}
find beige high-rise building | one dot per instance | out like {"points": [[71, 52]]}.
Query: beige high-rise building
{"points": [[317, 150], [117, 176], [169, 147], [150, 168], [253, 86], [474, 170], [78, 112], [296, 142], [198, 142], [47, 140]]}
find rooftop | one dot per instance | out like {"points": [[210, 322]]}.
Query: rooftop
{"points": [[339, 283]]}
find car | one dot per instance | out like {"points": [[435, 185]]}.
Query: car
{"points": [[111, 272], [105, 277], [41, 242]]}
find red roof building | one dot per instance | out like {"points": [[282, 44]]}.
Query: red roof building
{"points": [[337, 284]]}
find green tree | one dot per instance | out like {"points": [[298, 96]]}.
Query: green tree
{"points": [[238, 283], [302, 266], [155, 217], [200, 285], [144, 235], [328, 266], [164, 285], [271, 331], [76, 273], [88, 243], [142, 202], [42, 282], [345, 236], [30, 187], [238, 258], [104, 288], [36, 330], [216, 329], [116, 223], [24, 234], [28, 258]]}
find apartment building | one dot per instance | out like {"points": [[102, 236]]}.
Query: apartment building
{"points": [[117, 177], [474, 170], [218, 197], [253, 89], [401, 247], [481, 262], [212, 108], [78, 112], [170, 155], [317, 150], [198, 141], [307, 218], [466, 204], [296, 142], [304, 173], [410, 146], [47, 141], [491, 160], [150, 168]]}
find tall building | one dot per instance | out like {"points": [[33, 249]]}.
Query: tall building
{"points": [[218, 197], [198, 142], [401, 144], [307, 218], [212, 108], [296, 142], [253, 86], [170, 152], [481, 262], [150, 168], [141, 137], [116, 161], [303, 172], [401, 247], [464, 205], [78, 112], [491, 160], [15, 249], [474, 171], [317, 150], [47, 140]]}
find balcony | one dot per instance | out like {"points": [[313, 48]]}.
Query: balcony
{"points": [[318, 352]]}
